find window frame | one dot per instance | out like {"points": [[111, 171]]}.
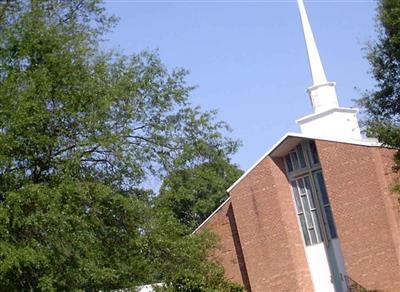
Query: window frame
{"points": [[314, 228], [310, 169], [330, 224]]}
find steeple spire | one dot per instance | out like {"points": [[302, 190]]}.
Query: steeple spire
{"points": [[328, 119], [322, 93], [317, 70]]}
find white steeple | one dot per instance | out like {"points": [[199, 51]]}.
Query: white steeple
{"points": [[322, 93], [328, 119], [317, 70]]}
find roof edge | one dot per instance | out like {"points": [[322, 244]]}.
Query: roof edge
{"points": [[211, 215], [259, 160], [365, 142]]}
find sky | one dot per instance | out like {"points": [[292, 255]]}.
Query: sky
{"points": [[248, 58]]}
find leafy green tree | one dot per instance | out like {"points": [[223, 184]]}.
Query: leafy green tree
{"points": [[81, 129], [67, 105], [193, 193], [382, 104], [70, 235], [180, 260]]}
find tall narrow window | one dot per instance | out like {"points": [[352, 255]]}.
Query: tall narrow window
{"points": [[321, 189], [295, 160], [300, 212], [309, 191], [313, 151], [289, 164], [302, 161], [306, 210]]}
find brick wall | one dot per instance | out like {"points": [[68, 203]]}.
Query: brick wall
{"points": [[270, 237], [358, 179], [391, 178], [228, 252]]}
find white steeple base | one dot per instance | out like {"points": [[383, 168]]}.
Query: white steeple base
{"points": [[338, 122], [323, 96]]}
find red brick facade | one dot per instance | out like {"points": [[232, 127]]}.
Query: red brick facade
{"points": [[358, 180], [261, 243], [229, 253]]}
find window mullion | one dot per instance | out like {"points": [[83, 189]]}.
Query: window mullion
{"points": [[301, 163], [315, 224], [304, 210], [320, 211]]}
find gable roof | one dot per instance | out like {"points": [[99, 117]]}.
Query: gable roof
{"points": [[289, 140], [285, 144]]}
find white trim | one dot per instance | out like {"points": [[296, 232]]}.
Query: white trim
{"points": [[212, 214], [365, 142], [313, 87], [331, 110]]}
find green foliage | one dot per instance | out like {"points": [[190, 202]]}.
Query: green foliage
{"points": [[65, 104], [384, 56], [81, 129], [75, 235], [194, 193], [382, 104], [184, 261], [70, 235], [207, 282]]}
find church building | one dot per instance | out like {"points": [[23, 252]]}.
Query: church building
{"points": [[316, 212]]}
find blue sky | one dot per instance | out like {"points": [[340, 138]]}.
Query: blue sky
{"points": [[248, 58]]}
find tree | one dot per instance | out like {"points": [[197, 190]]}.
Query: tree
{"points": [[195, 192], [382, 104], [181, 261], [81, 129], [65, 102]]}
